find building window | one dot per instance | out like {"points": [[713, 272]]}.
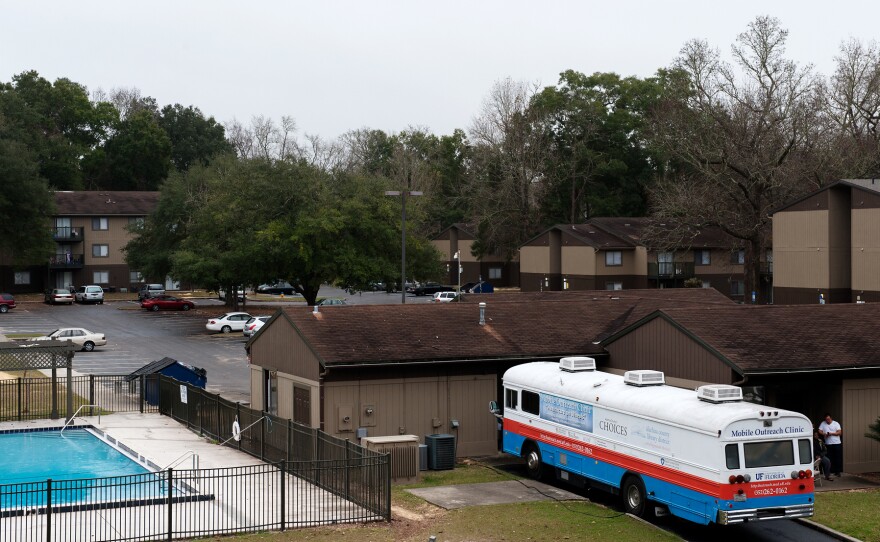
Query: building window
{"points": [[613, 258], [100, 251], [614, 286], [135, 276], [702, 257], [738, 257], [101, 277], [737, 287], [531, 402], [22, 277], [510, 399], [100, 223], [494, 273]]}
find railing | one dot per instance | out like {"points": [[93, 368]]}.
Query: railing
{"points": [[67, 234], [73, 418], [678, 270], [66, 261]]}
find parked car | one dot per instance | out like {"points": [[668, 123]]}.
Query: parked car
{"points": [[89, 294], [431, 288], [7, 301], [58, 295], [81, 336], [253, 325], [326, 302], [167, 302], [444, 297], [221, 295], [276, 288], [150, 290], [231, 321]]}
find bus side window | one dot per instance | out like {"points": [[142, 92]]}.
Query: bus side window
{"points": [[510, 398], [731, 453], [531, 402], [805, 451]]}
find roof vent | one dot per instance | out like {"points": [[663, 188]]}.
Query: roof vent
{"points": [[576, 364], [644, 378], [720, 393]]}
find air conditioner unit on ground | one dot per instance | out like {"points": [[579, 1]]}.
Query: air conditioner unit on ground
{"points": [[441, 452], [404, 452]]}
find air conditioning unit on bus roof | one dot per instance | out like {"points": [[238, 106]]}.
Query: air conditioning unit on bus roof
{"points": [[644, 378], [578, 363], [720, 393]]}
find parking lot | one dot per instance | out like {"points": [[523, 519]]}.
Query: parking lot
{"points": [[136, 337]]}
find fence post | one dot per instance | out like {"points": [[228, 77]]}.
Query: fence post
{"points": [[262, 437], [170, 503], [141, 391], [289, 439], [283, 493], [347, 468], [20, 390], [92, 394], [49, 510], [217, 425]]}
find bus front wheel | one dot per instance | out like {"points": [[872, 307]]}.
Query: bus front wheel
{"points": [[534, 467], [635, 501]]}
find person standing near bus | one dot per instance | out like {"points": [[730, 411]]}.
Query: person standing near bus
{"points": [[831, 431]]}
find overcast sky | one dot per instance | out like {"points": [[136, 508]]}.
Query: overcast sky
{"points": [[337, 66]]}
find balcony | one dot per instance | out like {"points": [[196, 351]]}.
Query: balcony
{"points": [[766, 268], [66, 261], [670, 270], [67, 234]]}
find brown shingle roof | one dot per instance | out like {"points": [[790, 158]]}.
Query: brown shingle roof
{"points": [[531, 327], [783, 338], [106, 203]]}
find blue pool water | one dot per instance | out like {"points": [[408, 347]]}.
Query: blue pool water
{"points": [[82, 467]]}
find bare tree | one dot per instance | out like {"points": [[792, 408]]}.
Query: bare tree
{"points": [[506, 182], [742, 136]]}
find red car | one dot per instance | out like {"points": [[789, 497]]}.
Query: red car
{"points": [[7, 301], [166, 302]]}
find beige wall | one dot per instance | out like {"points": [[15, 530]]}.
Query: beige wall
{"points": [[861, 405], [578, 260], [632, 263], [419, 406], [534, 259], [800, 249], [279, 347], [115, 237], [865, 250], [286, 384]]}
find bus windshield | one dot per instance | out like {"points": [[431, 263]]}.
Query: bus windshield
{"points": [[768, 454]]}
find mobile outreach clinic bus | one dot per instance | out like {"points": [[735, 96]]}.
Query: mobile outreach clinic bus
{"points": [[705, 456]]}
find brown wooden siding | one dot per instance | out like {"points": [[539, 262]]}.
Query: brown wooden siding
{"points": [[818, 201], [865, 249], [861, 405], [660, 346], [280, 348], [839, 239], [417, 406], [864, 199], [801, 245]]}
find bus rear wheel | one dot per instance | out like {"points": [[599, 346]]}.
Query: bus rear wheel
{"points": [[635, 501], [534, 467]]}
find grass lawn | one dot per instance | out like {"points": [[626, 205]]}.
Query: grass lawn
{"points": [[850, 512]]}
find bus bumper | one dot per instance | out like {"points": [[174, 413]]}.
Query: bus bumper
{"points": [[729, 517]]}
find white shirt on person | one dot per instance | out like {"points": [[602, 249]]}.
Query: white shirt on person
{"points": [[832, 427]]}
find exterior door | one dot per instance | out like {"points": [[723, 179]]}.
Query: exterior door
{"points": [[302, 406]]}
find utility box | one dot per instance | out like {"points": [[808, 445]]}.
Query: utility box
{"points": [[441, 452], [423, 457], [404, 452]]}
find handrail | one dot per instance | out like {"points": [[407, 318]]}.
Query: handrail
{"points": [[72, 418], [195, 458]]}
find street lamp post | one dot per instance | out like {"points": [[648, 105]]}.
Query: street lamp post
{"points": [[403, 194], [457, 257]]}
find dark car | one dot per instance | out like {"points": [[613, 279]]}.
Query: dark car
{"points": [[167, 302], [7, 301], [431, 288], [275, 289], [150, 290]]}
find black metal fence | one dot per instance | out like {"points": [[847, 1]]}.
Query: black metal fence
{"points": [[308, 478]]}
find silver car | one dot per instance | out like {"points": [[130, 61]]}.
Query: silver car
{"points": [[89, 294], [253, 325]]}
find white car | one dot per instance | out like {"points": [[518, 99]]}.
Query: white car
{"points": [[83, 337], [231, 321], [444, 297], [89, 294], [253, 325]]}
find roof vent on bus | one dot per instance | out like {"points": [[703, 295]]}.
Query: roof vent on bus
{"points": [[720, 393], [575, 364], [644, 378]]}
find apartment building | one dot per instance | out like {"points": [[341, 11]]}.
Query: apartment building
{"points": [[455, 244], [827, 245]]}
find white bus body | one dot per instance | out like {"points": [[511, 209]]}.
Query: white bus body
{"points": [[725, 461]]}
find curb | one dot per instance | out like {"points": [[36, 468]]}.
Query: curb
{"points": [[826, 530]]}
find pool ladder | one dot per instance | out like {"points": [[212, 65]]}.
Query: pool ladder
{"points": [[73, 418], [179, 460]]}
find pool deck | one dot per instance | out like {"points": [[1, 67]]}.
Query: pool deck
{"points": [[160, 439]]}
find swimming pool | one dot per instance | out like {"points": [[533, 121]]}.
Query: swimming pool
{"points": [[82, 468]]}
